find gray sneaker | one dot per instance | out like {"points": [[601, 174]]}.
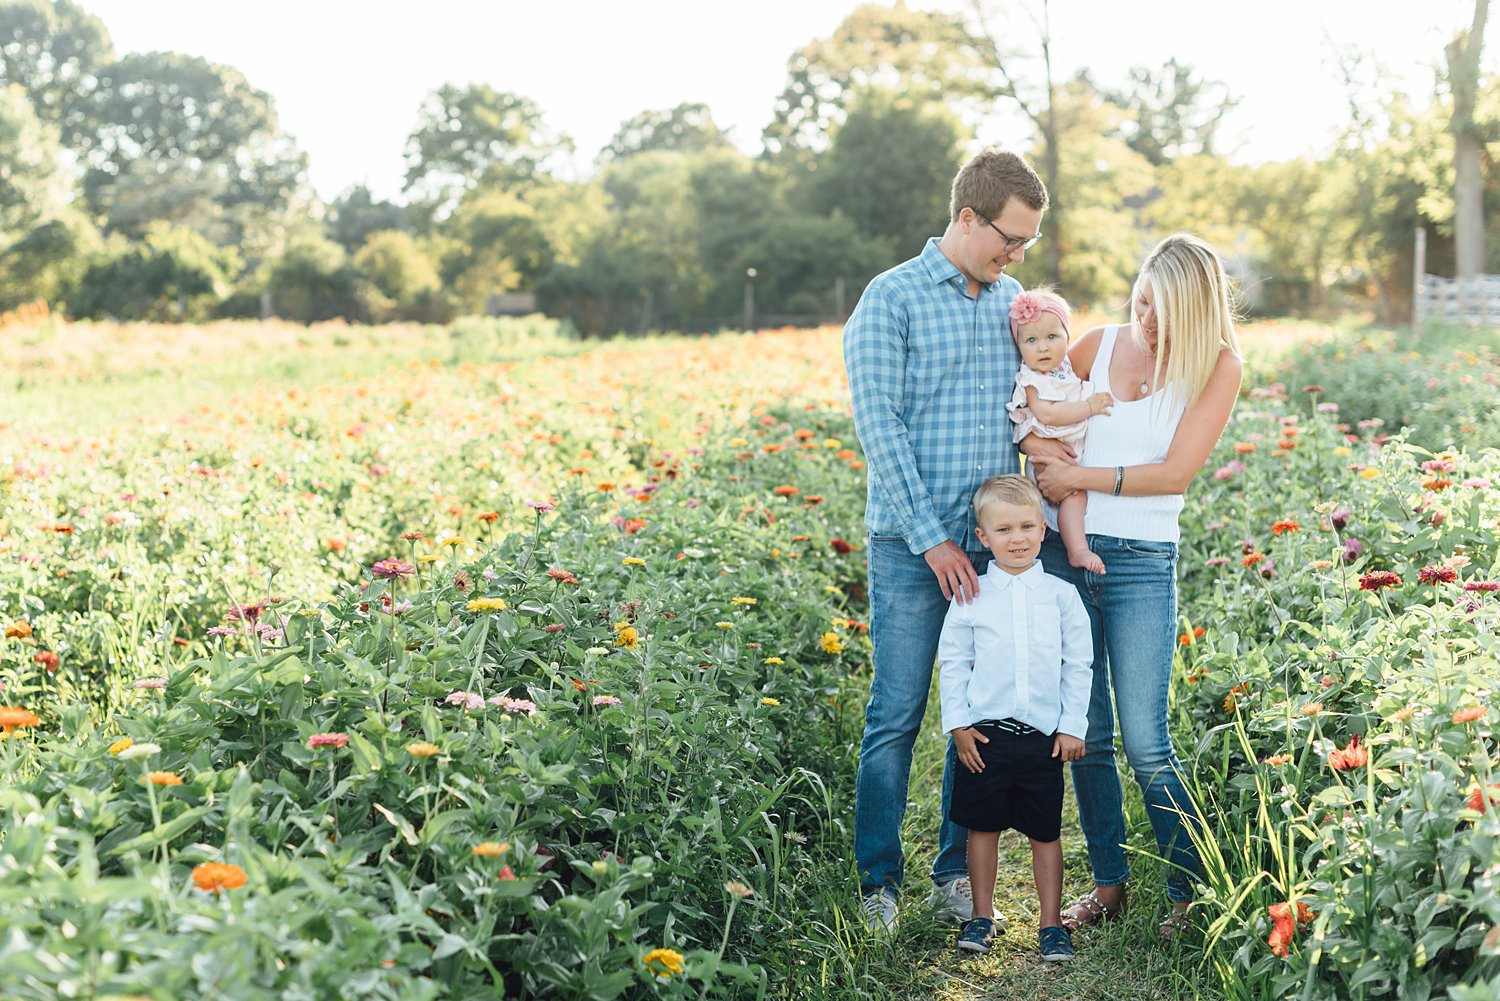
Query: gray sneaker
{"points": [[878, 910], [954, 900]]}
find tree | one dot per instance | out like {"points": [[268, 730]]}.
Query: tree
{"points": [[172, 273], [51, 48], [311, 280], [927, 55], [354, 215], [1468, 144], [685, 128], [473, 133], [890, 169], [43, 238], [1171, 112], [1097, 185], [164, 127]]}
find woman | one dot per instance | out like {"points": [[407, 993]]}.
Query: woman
{"points": [[1174, 373]]}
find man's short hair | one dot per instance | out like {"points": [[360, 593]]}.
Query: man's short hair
{"points": [[991, 178], [1011, 488]]}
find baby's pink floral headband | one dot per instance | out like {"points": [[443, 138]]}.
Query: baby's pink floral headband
{"points": [[1028, 306]]}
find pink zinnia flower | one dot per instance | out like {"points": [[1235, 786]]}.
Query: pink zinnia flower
{"points": [[606, 700], [150, 683], [466, 699], [1482, 585], [540, 506], [328, 740], [393, 569]]}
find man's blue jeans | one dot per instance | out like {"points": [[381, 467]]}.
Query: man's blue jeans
{"points": [[1133, 610], [906, 617]]}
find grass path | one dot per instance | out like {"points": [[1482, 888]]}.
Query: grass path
{"points": [[1124, 961]]}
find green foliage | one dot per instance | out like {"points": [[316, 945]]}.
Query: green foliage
{"points": [[172, 274], [472, 133], [926, 55], [1438, 386], [889, 169], [312, 280], [50, 48], [689, 127], [1171, 112], [176, 137], [356, 214], [400, 278], [1305, 648]]}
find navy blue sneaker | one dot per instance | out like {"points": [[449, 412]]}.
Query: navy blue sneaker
{"points": [[976, 935], [1057, 944]]}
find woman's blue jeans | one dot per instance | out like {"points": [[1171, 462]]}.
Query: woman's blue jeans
{"points": [[906, 617], [1133, 610]]}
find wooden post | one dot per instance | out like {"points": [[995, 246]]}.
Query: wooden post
{"points": [[1419, 268]]}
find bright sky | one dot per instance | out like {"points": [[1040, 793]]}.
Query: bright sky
{"points": [[348, 78]]}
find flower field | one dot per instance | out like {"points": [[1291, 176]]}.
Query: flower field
{"points": [[477, 662]]}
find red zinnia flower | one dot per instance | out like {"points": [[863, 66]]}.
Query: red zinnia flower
{"points": [[1484, 797], [1377, 579], [840, 546], [47, 659], [328, 740], [1437, 574]]}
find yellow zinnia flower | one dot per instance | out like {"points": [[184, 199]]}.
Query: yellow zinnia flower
{"points": [[120, 745], [422, 749], [633, 561], [768, 701], [486, 605], [831, 643], [773, 660], [664, 962]]}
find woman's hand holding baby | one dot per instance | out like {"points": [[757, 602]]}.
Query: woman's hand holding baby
{"points": [[1100, 403]]}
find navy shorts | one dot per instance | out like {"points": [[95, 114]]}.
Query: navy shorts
{"points": [[1020, 789]]}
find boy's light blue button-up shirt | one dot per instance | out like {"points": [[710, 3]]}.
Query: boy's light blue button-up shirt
{"points": [[930, 371], [1022, 649]]}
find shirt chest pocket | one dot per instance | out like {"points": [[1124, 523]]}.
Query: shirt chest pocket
{"points": [[1044, 637]]}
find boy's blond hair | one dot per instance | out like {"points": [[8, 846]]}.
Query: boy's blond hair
{"points": [[1010, 488]]}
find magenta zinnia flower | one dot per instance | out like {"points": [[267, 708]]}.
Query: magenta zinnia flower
{"points": [[1482, 585], [393, 569], [328, 740]]}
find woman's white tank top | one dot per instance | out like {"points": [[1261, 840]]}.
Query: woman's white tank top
{"points": [[1134, 433]]}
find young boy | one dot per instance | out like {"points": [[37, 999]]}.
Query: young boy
{"points": [[1015, 683]]}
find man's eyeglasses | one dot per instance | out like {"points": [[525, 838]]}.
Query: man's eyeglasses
{"points": [[1012, 243]]}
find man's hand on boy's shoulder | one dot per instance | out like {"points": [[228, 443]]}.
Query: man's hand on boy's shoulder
{"points": [[964, 742], [1066, 746]]}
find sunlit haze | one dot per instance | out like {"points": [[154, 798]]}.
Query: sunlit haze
{"points": [[348, 78]]}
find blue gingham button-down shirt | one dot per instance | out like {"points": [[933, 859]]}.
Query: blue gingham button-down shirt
{"points": [[930, 371]]}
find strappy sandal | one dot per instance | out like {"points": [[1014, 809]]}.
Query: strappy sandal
{"points": [[1174, 926], [1089, 910]]}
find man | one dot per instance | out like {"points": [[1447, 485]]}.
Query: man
{"points": [[931, 365]]}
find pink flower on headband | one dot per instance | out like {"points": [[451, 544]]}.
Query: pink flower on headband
{"points": [[1025, 307], [1028, 306]]}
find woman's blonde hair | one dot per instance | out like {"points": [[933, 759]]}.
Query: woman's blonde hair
{"points": [[1193, 311]]}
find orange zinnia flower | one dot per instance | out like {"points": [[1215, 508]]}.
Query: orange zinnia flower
{"points": [[786, 490], [1353, 756], [12, 717], [1285, 525], [1470, 714], [212, 877], [20, 630], [164, 778]]}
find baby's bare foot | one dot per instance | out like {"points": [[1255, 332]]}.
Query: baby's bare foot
{"points": [[1085, 559]]}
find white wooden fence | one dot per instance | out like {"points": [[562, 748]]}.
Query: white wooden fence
{"points": [[1474, 300]]}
